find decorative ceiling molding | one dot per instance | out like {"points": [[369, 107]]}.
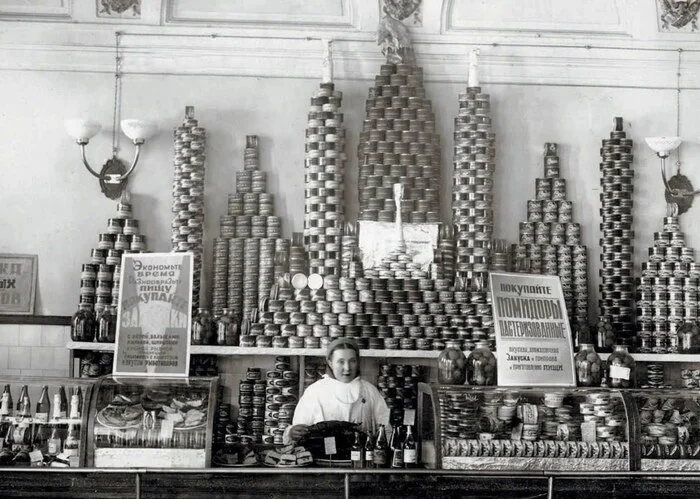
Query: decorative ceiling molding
{"points": [[20, 9]]}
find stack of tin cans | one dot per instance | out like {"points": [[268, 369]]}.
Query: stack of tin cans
{"points": [[667, 291], [188, 195], [617, 298], [99, 279], [398, 144], [398, 384], [551, 241], [250, 251], [324, 192], [281, 395], [350, 263], [472, 183], [251, 404]]}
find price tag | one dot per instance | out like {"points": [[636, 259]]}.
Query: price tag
{"points": [[409, 417], [329, 444], [620, 372], [36, 456], [588, 431], [74, 461], [166, 429]]}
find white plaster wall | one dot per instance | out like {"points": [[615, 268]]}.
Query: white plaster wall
{"points": [[51, 205]]}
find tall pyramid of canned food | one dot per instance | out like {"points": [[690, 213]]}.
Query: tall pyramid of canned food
{"points": [[617, 301], [551, 240], [324, 171], [188, 194], [398, 144], [249, 252], [667, 291]]}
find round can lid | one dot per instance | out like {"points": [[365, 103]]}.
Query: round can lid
{"points": [[299, 281], [315, 281]]}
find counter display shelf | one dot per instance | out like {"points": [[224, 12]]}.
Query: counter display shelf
{"points": [[527, 429], [152, 422]]}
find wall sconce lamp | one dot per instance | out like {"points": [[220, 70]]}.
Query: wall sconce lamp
{"points": [[678, 188], [115, 172]]}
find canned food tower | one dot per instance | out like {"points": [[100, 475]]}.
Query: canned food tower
{"points": [[551, 241], [472, 179], [99, 279], [281, 397], [617, 299], [188, 195], [399, 144], [324, 171], [249, 253], [398, 384], [667, 291]]}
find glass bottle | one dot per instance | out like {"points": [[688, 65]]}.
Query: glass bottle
{"points": [[201, 327], [23, 393], [63, 413], [357, 452], [72, 442], [410, 449], [621, 368], [25, 405], [79, 393], [396, 448], [381, 449], [106, 329], [6, 403], [589, 366], [227, 329], [689, 338], [53, 446], [8, 442], [481, 365], [83, 324], [43, 407], [369, 451], [41, 437], [452, 365], [605, 337]]}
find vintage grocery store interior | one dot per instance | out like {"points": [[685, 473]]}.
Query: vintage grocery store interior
{"points": [[328, 185]]}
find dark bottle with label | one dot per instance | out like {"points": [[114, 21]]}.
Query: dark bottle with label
{"points": [[357, 452], [381, 449], [79, 392], [6, 454], [369, 451], [41, 437], [83, 324], [53, 445], [43, 407], [106, 329], [72, 443], [25, 405], [22, 393], [396, 448], [63, 411], [410, 449]]}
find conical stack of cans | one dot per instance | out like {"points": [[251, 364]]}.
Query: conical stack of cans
{"points": [[617, 300], [188, 195], [99, 279], [551, 241], [324, 204], [667, 291], [398, 144], [250, 242], [472, 183]]}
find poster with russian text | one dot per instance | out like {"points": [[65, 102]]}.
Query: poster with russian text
{"points": [[155, 308], [533, 337]]}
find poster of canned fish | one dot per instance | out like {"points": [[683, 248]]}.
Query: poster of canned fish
{"points": [[533, 337], [17, 284], [154, 318]]}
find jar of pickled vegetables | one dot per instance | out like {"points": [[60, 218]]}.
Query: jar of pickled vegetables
{"points": [[452, 365], [621, 368], [589, 366], [481, 365]]}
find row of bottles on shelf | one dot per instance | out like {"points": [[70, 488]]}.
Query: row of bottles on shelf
{"points": [[371, 451], [41, 437]]}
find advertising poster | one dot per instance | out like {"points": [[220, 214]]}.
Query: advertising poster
{"points": [[533, 337], [17, 284], [155, 307]]}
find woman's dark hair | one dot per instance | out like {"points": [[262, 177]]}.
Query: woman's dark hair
{"points": [[342, 344]]}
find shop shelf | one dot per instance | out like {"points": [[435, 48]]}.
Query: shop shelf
{"points": [[88, 345]]}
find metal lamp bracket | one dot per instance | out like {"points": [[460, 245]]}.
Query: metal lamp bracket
{"points": [[680, 184], [113, 167]]}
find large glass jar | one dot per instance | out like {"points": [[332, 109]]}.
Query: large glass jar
{"points": [[481, 365], [589, 367], [622, 370], [452, 365], [605, 338], [201, 327], [227, 329], [83, 324], [106, 330], [689, 338]]}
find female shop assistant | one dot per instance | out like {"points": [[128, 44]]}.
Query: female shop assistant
{"points": [[340, 395]]}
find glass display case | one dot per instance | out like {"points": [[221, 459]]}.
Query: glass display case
{"points": [[668, 429], [43, 421], [504, 428], [152, 422]]}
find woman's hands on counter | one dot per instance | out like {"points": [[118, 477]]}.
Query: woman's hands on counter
{"points": [[298, 432]]}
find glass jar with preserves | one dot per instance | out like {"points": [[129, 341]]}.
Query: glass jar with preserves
{"points": [[227, 329], [452, 364], [481, 365], [689, 338], [621, 367], [106, 329], [201, 327], [83, 324], [589, 366]]}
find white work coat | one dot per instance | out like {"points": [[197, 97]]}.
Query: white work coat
{"points": [[331, 400]]}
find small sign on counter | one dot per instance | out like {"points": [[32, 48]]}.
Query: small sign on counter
{"points": [[533, 337], [154, 318]]}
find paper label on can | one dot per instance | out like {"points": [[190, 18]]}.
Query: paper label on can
{"points": [[588, 431], [620, 372], [329, 445]]}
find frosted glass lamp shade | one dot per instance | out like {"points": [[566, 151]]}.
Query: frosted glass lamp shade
{"points": [[82, 130], [663, 145], [138, 130]]}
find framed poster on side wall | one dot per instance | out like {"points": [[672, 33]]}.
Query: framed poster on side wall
{"points": [[18, 284], [154, 316]]}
